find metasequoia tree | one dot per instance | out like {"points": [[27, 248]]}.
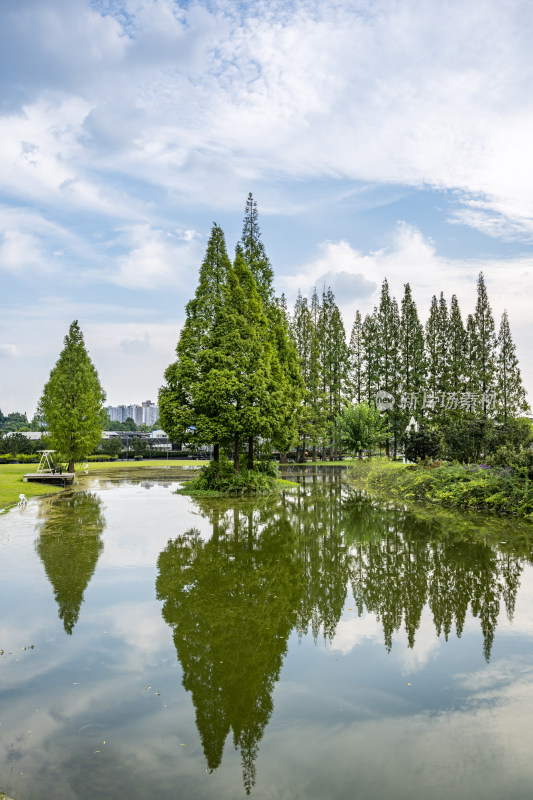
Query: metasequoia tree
{"points": [[72, 401]]}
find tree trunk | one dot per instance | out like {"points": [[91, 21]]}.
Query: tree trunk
{"points": [[314, 452], [236, 454], [71, 466], [216, 458], [283, 458], [250, 452]]}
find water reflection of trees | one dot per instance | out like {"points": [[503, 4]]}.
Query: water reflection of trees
{"points": [[275, 566], [69, 546]]}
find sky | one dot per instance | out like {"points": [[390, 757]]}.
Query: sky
{"points": [[380, 138]]}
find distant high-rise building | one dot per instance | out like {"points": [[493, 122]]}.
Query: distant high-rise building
{"points": [[150, 412], [146, 414]]}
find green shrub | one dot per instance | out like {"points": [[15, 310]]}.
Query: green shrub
{"points": [[101, 457], [267, 466], [466, 440], [221, 478], [26, 458], [421, 444], [480, 487]]}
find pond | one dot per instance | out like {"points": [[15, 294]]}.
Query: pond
{"points": [[319, 644]]}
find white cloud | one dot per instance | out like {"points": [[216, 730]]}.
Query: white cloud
{"points": [[20, 252], [389, 92], [156, 260], [8, 351]]}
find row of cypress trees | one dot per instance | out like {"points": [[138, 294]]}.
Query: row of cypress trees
{"points": [[447, 366]]}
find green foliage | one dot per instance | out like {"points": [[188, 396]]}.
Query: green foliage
{"points": [[17, 443], [457, 349], [509, 389], [14, 422], [482, 362], [334, 365], [220, 478], [514, 433], [467, 439], [361, 427], [356, 359], [28, 458], [72, 401], [266, 466], [412, 360], [139, 446], [500, 490], [254, 253], [112, 446], [506, 456], [437, 346], [236, 376], [100, 457], [187, 413], [421, 444]]}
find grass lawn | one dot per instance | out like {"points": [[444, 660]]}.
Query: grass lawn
{"points": [[11, 483]]}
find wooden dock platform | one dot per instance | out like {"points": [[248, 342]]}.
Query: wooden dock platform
{"points": [[58, 479]]}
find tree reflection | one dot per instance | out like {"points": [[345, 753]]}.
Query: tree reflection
{"points": [[274, 566], [232, 602], [69, 546]]}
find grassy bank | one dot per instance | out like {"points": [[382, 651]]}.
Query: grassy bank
{"points": [[11, 483], [495, 490]]}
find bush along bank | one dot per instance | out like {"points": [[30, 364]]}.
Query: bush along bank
{"points": [[221, 480], [478, 487]]}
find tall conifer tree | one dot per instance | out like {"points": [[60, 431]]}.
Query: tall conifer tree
{"points": [[182, 414], [72, 400], [371, 370], [484, 343], [509, 389], [412, 358], [355, 357], [457, 344], [334, 361], [284, 433], [254, 252]]}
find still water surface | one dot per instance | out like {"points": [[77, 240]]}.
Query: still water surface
{"points": [[317, 645]]}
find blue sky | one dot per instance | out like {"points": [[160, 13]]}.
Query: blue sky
{"points": [[380, 139]]}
